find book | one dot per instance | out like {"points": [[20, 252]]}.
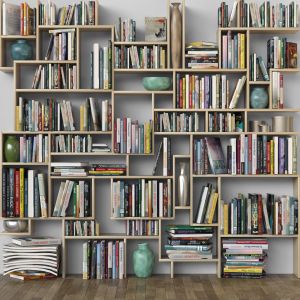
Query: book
{"points": [[11, 16], [155, 29], [125, 30], [237, 92], [36, 241], [142, 228], [215, 155], [158, 154]]}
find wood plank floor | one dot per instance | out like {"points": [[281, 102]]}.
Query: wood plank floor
{"points": [[157, 287]]}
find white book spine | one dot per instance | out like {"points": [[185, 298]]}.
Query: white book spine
{"points": [[254, 154], [143, 199], [290, 155], [233, 156], [30, 193], [275, 155], [161, 199], [96, 71]]}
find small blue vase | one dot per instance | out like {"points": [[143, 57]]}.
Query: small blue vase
{"points": [[259, 98], [21, 50]]}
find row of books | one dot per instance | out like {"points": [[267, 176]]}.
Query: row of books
{"points": [[34, 148], [244, 258], [258, 70], [101, 67], [131, 137], [142, 228], [96, 115], [225, 122], [76, 14], [202, 55], [260, 215], [144, 198], [233, 50], [125, 30], [103, 260], [140, 57], [210, 91], [281, 54], [177, 122], [73, 199], [71, 143], [206, 211], [254, 15], [62, 45], [189, 242], [18, 19], [82, 228], [55, 76], [24, 193], [277, 90], [108, 169]]}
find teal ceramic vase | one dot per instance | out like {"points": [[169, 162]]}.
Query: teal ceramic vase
{"points": [[21, 50], [143, 261], [259, 98], [12, 149], [157, 83]]}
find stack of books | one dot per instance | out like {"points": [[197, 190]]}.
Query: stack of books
{"points": [[142, 227], [125, 30], [144, 198], [82, 228], [24, 193], [225, 122], [34, 148], [76, 14], [202, 55], [100, 148], [260, 215], [69, 169], [32, 258], [258, 70], [73, 199], [103, 260], [244, 258], [68, 143], [189, 242], [108, 170]]}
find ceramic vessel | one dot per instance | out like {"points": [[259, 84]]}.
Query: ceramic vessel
{"points": [[176, 35], [143, 261], [157, 83], [183, 185], [21, 50], [15, 225], [259, 98], [12, 149]]}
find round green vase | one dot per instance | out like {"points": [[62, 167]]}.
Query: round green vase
{"points": [[259, 98], [21, 50], [12, 149], [157, 83], [143, 261]]}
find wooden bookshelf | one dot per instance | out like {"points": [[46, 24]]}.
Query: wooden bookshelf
{"points": [[219, 179]]}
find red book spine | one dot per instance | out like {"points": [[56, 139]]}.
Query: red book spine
{"points": [[238, 156], [260, 214], [17, 193], [180, 94], [249, 153], [268, 158]]}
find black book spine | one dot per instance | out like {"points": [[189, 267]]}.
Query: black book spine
{"points": [[229, 159], [126, 191], [239, 220], [37, 205], [87, 199], [11, 210], [4, 194]]}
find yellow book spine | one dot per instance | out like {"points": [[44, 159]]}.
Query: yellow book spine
{"points": [[213, 208], [148, 137], [22, 202], [225, 218], [81, 118], [272, 156], [17, 121], [242, 50], [242, 270], [183, 93]]}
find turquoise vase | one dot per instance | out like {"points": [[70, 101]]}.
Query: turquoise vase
{"points": [[259, 98], [21, 50], [143, 261], [12, 149], [157, 83]]}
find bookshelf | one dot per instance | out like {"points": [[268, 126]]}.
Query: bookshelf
{"points": [[152, 99]]}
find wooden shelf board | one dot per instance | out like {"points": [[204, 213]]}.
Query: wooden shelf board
{"points": [[262, 30], [286, 70], [112, 177], [15, 233], [143, 70], [210, 70], [24, 164], [166, 259], [200, 110], [182, 207], [80, 27], [141, 43], [273, 110], [18, 37], [258, 236], [259, 82], [142, 218], [239, 133], [205, 225], [246, 176], [143, 92], [7, 69], [81, 154], [44, 62], [116, 236]]}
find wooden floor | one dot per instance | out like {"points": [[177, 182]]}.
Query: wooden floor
{"points": [[156, 287]]}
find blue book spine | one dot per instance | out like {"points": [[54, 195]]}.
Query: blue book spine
{"points": [[98, 261], [281, 155], [64, 54], [246, 155], [26, 197], [101, 68], [235, 52], [114, 261], [142, 139]]}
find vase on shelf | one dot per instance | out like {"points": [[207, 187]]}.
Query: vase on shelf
{"points": [[183, 185], [143, 261], [14, 226], [176, 35], [21, 50], [259, 98], [12, 149]]}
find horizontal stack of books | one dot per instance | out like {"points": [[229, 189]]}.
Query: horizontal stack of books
{"points": [[210, 91], [142, 227], [281, 54], [101, 64], [76, 14], [145, 198], [244, 258], [143, 57], [225, 122], [258, 70], [34, 148], [95, 115], [177, 122], [55, 76], [24, 193], [103, 260], [100, 147], [73, 199], [82, 228], [69, 169], [234, 50], [189, 242], [258, 215], [125, 30], [32, 258], [131, 137], [107, 170], [71, 143], [277, 90], [202, 55], [206, 211]]}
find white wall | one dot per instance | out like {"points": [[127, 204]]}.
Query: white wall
{"points": [[201, 24]]}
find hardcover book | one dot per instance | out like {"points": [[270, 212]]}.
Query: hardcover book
{"points": [[216, 155], [155, 29]]}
